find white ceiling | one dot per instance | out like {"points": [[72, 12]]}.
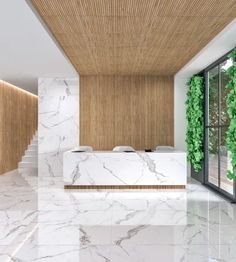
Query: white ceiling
{"points": [[26, 49]]}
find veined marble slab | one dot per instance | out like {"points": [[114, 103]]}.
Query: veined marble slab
{"points": [[58, 118], [194, 225], [121, 168]]}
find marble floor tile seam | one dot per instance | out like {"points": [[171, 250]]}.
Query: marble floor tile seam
{"points": [[17, 224], [114, 196], [5, 247], [114, 224], [190, 221], [62, 245], [123, 196], [77, 200], [78, 209], [66, 197], [128, 206]]}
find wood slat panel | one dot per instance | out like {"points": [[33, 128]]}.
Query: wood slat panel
{"points": [[126, 110], [93, 187], [18, 123], [140, 37]]}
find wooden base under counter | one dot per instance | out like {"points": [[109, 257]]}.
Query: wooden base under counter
{"points": [[125, 187]]}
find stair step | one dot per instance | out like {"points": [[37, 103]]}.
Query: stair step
{"points": [[27, 165], [31, 159], [34, 142], [31, 153], [33, 147]]}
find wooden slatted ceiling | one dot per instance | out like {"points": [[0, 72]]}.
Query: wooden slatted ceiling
{"points": [[125, 37]]}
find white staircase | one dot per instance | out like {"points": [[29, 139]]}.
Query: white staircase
{"points": [[29, 163]]}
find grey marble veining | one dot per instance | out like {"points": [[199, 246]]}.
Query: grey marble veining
{"points": [[120, 168], [40, 221], [58, 128]]}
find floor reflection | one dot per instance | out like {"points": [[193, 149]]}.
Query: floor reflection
{"points": [[40, 221]]}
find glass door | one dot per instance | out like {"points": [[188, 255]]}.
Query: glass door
{"points": [[217, 158]]}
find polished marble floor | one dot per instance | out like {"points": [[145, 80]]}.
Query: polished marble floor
{"points": [[40, 221]]}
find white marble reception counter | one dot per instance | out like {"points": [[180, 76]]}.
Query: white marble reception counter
{"points": [[105, 169]]}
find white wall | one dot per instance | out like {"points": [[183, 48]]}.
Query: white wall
{"points": [[220, 45], [180, 95], [27, 51], [58, 123]]}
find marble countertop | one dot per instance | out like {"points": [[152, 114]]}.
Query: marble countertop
{"points": [[162, 167]]}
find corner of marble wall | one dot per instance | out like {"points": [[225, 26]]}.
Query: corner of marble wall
{"points": [[58, 122]]}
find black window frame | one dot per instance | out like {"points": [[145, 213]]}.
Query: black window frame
{"points": [[206, 129]]}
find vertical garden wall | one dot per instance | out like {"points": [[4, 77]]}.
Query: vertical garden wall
{"points": [[231, 104], [195, 119]]}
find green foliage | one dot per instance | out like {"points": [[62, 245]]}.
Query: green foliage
{"points": [[194, 112], [231, 104]]}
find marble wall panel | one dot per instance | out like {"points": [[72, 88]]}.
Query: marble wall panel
{"points": [[58, 122]]}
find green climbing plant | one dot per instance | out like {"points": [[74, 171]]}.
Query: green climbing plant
{"points": [[194, 113], [231, 109]]}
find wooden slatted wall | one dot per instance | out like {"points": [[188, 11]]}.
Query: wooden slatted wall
{"points": [[18, 123], [126, 110]]}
